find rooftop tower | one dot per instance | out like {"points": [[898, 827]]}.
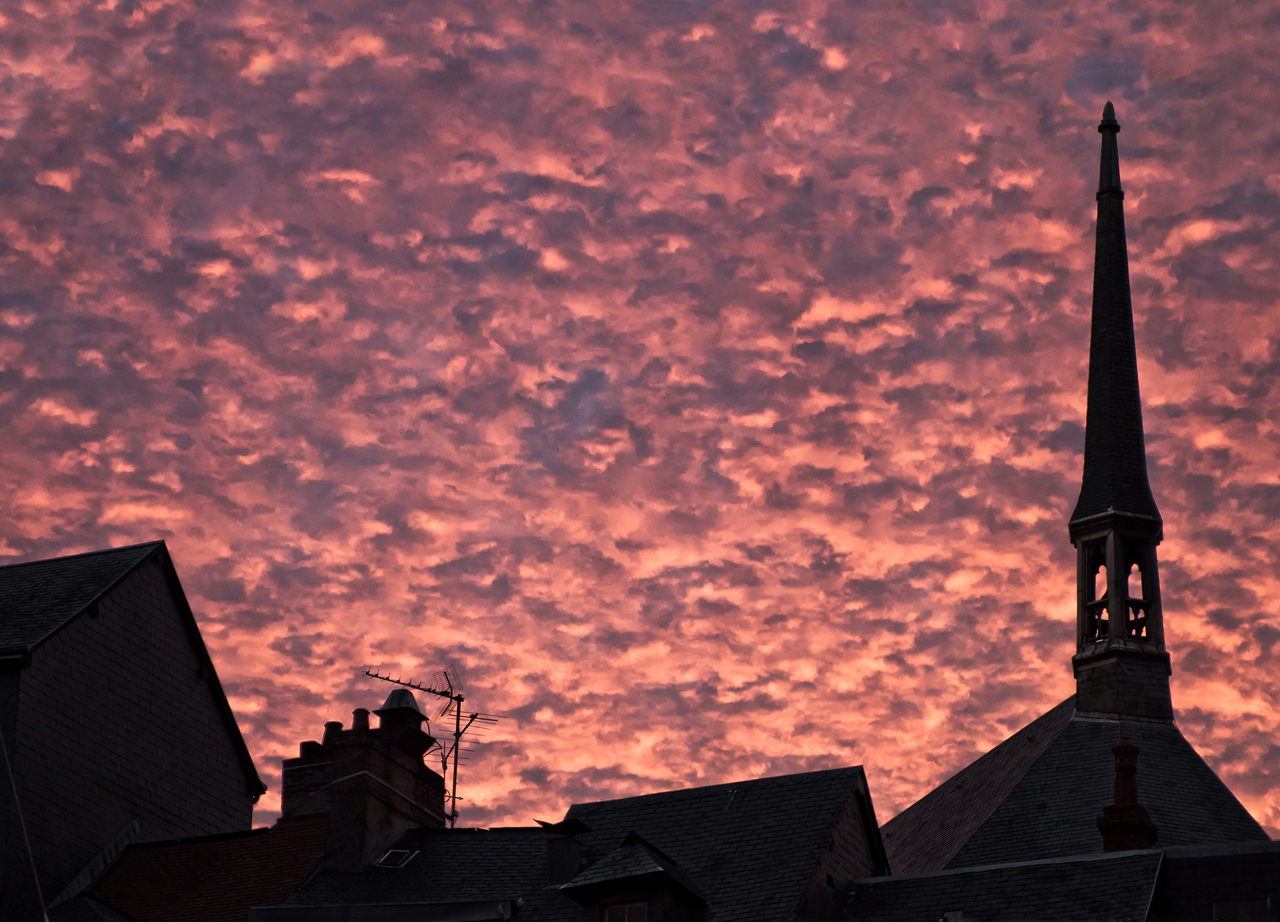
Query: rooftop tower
{"points": [[1037, 795], [1121, 666]]}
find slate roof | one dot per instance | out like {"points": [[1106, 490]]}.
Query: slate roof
{"points": [[632, 859], [452, 866], [1115, 458], [213, 878], [1192, 879], [1117, 886], [39, 597], [748, 847], [1038, 794]]}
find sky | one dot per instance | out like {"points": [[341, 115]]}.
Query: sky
{"points": [[705, 380]]}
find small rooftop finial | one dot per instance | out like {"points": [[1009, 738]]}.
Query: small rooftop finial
{"points": [[1109, 122], [1109, 176]]}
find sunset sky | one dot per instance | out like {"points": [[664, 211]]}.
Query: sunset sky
{"points": [[705, 379]]}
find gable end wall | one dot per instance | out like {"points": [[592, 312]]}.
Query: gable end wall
{"points": [[117, 719], [849, 855]]}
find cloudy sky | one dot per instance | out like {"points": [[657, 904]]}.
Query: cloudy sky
{"points": [[705, 379]]}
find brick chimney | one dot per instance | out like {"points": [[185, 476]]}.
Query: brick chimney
{"points": [[372, 783], [1125, 825]]}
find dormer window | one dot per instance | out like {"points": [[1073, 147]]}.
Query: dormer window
{"points": [[625, 912]]}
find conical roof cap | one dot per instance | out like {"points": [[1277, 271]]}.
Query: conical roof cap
{"points": [[1115, 457]]}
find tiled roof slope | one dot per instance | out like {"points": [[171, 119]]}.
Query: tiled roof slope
{"points": [[1040, 798], [630, 859], [453, 866], [449, 865], [750, 847], [39, 597], [926, 835], [213, 878], [1116, 887], [1053, 811]]}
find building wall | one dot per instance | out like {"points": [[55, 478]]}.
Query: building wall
{"points": [[117, 719], [848, 856]]}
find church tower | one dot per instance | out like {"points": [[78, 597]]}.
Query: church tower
{"points": [[1038, 795], [1121, 666]]}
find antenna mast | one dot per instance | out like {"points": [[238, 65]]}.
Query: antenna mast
{"points": [[447, 685]]}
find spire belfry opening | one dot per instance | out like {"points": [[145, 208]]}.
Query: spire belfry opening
{"points": [[1121, 666]]}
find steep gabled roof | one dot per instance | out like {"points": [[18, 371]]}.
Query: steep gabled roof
{"points": [[634, 858], [39, 597], [1115, 887], [750, 847], [1038, 795], [926, 835]]}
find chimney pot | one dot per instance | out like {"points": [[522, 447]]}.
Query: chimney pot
{"points": [[371, 783], [400, 710], [1125, 824], [1126, 755]]}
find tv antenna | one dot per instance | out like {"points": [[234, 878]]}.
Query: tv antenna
{"points": [[446, 684]]}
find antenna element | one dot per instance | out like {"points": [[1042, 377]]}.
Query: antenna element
{"points": [[447, 685]]}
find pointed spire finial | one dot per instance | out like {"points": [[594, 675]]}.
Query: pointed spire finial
{"points": [[1109, 174], [1109, 122]]}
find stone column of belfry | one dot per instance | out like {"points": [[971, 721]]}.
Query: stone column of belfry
{"points": [[1121, 666]]}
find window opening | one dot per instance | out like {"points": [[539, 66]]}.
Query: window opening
{"points": [[396, 858], [1135, 605], [1095, 614], [627, 912]]}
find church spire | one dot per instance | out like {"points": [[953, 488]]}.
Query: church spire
{"points": [[1115, 458], [1121, 667]]}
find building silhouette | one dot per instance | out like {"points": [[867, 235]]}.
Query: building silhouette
{"points": [[113, 721], [1038, 794], [1098, 810]]}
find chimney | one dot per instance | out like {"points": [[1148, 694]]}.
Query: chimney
{"points": [[1125, 825], [371, 783], [564, 852]]}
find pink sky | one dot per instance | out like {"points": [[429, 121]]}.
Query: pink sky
{"points": [[706, 380]]}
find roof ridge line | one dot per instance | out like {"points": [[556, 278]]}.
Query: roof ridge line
{"points": [[1064, 859], [995, 804], [106, 589], [105, 550], [707, 790]]}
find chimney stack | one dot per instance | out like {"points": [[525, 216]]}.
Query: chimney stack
{"points": [[371, 783], [1125, 825]]}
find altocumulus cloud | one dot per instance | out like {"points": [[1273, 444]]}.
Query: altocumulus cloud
{"points": [[705, 379]]}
